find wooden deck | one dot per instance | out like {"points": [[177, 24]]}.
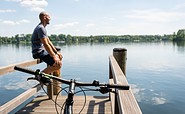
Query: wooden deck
{"points": [[94, 105], [123, 102]]}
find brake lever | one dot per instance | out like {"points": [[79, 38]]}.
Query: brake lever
{"points": [[31, 78], [45, 80]]}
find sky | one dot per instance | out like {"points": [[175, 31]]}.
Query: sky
{"points": [[93, 17]]}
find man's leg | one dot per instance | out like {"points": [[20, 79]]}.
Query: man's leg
{"points": [[51, 69], [50, 62]]}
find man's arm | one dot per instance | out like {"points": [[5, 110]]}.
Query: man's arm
{"points": [[48, 47], [51, 52], [52, 46], [54, 49]]}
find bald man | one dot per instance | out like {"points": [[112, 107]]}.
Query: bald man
{"points": [[43, 48]]}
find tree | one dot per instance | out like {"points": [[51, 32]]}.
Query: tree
{"points": [[62, 37], [28, 37], [68, 38], [53, 37], [17, 38], [180, 35]]}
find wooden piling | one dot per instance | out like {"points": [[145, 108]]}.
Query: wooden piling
{"points": [[120, 54], [57, 85], [50, 90]]}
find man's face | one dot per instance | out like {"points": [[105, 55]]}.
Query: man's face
{"points": [[47, 18]]}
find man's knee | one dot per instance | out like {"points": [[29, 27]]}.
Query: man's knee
{"points": [[57, 67]]}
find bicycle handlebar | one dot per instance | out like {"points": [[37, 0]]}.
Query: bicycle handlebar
{"points": [[25, 70], [95, 83]]}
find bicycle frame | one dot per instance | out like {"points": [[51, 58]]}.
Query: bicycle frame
{"points": [[68, 109]]}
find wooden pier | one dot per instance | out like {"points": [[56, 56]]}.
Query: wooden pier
{"points": [[123, 102], [94, 105]]}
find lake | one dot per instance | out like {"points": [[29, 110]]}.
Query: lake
{"points": [[155, 71]]}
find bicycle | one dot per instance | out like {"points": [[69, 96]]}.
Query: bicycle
{"points": [[68, 104]]}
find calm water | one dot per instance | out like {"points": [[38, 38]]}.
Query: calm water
{"points": [[154, 70]]}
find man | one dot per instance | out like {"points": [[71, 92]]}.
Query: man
{"points": [[43, 48]]}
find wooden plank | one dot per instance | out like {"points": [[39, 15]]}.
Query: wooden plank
{"points": [[112, 97], [10, 68], [127, 103], [118, 76], [9, 106], [94, 105]]}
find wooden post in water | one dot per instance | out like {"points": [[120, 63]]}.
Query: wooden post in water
{"points": [[57, 85], [54, 89], [50, 90], [120, 54]]}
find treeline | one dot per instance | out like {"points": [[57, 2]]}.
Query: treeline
{"points": [[82, 39], [26, 38]]}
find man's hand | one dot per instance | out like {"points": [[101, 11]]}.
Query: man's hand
{"points": [[57, 60], [60, 55]]}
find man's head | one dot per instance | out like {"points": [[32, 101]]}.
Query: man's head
{"points": [[44, 17]]}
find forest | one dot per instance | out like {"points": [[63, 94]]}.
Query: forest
{"points": [[26, 38]]}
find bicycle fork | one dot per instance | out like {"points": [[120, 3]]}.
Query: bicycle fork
{"points": [[69, 101]]}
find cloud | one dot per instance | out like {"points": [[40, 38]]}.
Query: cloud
{"points": [[152, 21], [13, 0], [34, 5], [90, 25], [109, 18], [66, 25], [7, 22], [13, 23], [7, 11], [24, 21], [180, 6], [37, 9], [155, 15]]}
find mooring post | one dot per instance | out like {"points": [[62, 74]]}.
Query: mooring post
{"points": [[57, 85], [50, 90], [120, 54], [55, 88]]}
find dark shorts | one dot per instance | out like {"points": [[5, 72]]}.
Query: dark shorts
{"points": [[44, 56]]}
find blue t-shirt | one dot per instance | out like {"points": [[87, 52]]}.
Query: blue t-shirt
{"points": [[38, 33]]}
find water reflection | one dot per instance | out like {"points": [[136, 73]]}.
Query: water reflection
{"points": [[14, 53], [180, 46]]}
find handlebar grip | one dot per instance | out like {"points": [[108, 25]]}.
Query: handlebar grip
{"points": [[121, 87], [24, 70]]}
